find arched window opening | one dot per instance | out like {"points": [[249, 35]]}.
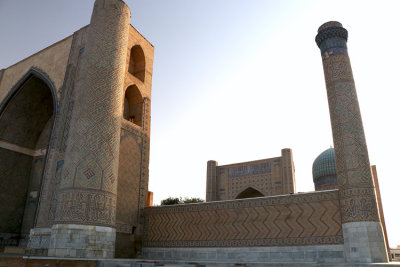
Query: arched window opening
{"points": [[26, 123], [249, 193], [133, 105], [137, 63]]}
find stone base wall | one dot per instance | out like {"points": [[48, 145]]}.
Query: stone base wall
{"points": [[299, 254], [39, 241], [82, 241], [364, 242]]}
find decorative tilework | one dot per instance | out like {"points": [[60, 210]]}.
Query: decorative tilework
{"points": [[357, 200], [247, 170], [86, 173], [92, 146], [67, 122], [331, 32], [291, 220], [334, 51], [324, 164], [86, 207], [52, 172], [273, 176]]}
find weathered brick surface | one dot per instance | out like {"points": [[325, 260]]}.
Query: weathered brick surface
{"points": [[290, 220], [357, 197], [87, 190], [363, 235], [57, 146]]}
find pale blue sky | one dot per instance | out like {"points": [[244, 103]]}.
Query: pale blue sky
{"points": [[237, 80]]}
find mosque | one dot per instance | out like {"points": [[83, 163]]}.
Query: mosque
{"points": [[74, 153]]}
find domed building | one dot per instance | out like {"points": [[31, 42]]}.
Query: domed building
{"points": [[324, 171]]}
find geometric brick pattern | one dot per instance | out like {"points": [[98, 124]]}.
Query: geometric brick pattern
{"points": [[144, 165], [291, 220], [273, 176], [90, 169], [58, 142], [357, 197], [128, 181]]}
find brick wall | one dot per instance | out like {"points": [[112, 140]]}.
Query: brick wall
{"points": [[290, 220]]}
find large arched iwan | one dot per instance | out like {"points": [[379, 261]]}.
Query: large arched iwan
{"points": [[26, 123], [137, 63], [133, 105], [249, 193]]}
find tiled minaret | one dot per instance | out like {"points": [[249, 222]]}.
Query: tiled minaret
{"points": [[84, 224], [362, 231]]}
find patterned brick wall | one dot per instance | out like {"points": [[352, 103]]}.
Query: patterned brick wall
{"points": [[291, 220], [57, 147], [273, 176], [128, 181], [88, 186], [129, 176], [357, 197]]}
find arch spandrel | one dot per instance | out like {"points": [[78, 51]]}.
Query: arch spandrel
{"points": [[51, 60]]}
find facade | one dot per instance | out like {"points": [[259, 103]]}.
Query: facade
{"points": [[74, 141], [267, 177], [74, 147], [339, 226]]}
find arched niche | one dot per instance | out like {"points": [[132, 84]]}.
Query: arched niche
{"points": [[249, 193], [133, 105], [137, 63], [26, 122]]}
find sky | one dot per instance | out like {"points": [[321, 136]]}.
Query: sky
{"points": [[238, 80]]}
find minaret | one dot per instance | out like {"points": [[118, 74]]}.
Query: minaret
{"points": [[84, 224], [362, 231]]}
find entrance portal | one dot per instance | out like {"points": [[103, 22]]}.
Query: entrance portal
{"points": [[26, 121]]}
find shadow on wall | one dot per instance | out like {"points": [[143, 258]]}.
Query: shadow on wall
{"points": [[249, 193]]}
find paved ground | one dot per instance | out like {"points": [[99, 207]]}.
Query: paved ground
{"points": [[24, 261]]}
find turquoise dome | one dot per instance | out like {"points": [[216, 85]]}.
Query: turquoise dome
{"points": [[324, 170]]}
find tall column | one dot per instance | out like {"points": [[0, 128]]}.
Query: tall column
{"points": [[87, 193], [211, 180], [287, 165], [362, 231]]}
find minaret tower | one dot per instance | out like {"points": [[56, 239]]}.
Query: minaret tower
{"points": [[362, 231], [85, 217]]}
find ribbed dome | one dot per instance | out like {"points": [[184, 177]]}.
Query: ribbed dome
{"points": [[324, 170]]}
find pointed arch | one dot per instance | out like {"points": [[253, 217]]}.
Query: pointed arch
{"points": [[31, 72], [249, 192], [137, 63], [133, 105], [26, 124]]}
